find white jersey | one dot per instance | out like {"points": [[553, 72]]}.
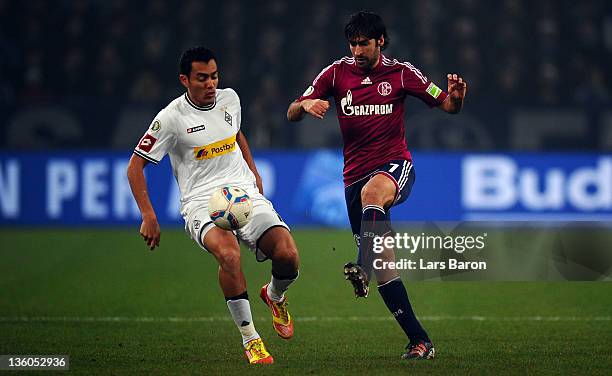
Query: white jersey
{"points": [[201, 142]]}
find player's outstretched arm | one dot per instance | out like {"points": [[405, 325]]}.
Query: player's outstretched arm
{"points": [[149, 229], [248, 157], [315, 107], [457, 88]]}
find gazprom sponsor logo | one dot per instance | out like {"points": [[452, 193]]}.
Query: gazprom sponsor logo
{"points": [[348, 109], [497, 184]]}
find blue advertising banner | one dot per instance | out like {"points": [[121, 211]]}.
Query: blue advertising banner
{"points": [[91, 188]]}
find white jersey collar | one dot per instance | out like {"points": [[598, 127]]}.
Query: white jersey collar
{"points": [[201, 108]]}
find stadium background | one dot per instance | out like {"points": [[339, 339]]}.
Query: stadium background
{"points": [[81, 80]]}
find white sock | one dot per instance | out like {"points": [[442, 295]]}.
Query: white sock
{"points": [[241, 313], [277, 287]]}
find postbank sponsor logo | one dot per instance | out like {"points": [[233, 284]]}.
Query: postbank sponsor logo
{"points": [[215, 149]]}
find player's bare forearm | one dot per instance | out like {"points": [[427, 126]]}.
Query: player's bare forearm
{"points": [[248, 158], [295, 112], [149, 229], [315, 107], [457, 88], [138, 185]]}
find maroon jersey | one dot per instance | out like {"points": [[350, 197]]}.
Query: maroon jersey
{"points": [[370, 107]]}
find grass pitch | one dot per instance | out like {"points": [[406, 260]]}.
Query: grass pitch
{"points": [[116, 308]]}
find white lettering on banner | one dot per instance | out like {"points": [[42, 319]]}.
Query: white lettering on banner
{"points": [[124, 205], [488, 182], [95, 187], [599, 178], [9, 189], [550, 198], [497, 183], [61, 185], [92, 189]]}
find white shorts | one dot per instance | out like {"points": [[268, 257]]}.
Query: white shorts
{"points": [[263, 218]]}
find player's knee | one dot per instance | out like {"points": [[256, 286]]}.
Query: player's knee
{"points": [[292, 257], [371, 196], [377, 195], [286, 253]]}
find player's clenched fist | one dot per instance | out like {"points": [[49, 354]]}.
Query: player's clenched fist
{"points": [[315, 107]]}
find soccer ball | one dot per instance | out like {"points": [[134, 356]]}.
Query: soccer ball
{"points": [[230, 208]]}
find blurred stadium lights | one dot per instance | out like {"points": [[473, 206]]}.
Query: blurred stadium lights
{"points": [[537, 72]]}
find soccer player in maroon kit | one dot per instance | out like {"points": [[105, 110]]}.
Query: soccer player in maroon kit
{"points": [[369, 90]]}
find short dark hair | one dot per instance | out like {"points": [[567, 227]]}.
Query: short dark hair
{"points": [[197, 53], [366, 24]]}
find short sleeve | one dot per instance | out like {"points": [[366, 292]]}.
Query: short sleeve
{"points": [[322, 85], [417, 85], [158, 140]]}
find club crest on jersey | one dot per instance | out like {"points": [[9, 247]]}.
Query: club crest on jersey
{"points": [[348, 109], [366, 81], [384, 88], [228, 118], [196, 129]]}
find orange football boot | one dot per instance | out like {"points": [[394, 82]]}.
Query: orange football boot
{"points": [[281, 319]]}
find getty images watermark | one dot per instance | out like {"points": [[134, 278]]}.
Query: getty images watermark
{"points": [[415, 243]]}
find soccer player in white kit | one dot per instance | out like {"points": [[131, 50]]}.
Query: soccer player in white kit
{"points": [[200, 130]]}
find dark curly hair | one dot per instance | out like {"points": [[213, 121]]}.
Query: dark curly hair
{"points": [[366, 24], [198, 53]]}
